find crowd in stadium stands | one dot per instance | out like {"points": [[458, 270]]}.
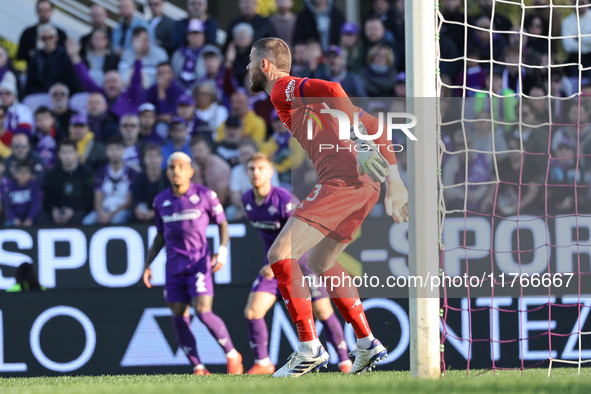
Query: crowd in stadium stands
{"points": [[85, 132]]}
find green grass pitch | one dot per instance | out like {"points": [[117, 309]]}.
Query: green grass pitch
{"points": [[562, 381]]}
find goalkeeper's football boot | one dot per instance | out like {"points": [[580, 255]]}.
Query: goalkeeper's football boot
{"points": [[299, 364], [366, 359]]}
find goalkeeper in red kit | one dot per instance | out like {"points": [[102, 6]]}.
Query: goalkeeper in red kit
{"points": [[350, 172]]}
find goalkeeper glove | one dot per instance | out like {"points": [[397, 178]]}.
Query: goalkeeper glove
{"points": [[369, 158]]}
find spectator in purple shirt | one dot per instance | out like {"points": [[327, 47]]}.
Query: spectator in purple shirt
{"points": [[120, 101], [112, 190], [23, 198], [44, 136], [185, 108], [151, 132], [102, 124], [164, 93], [129, 125], [187, 61]]}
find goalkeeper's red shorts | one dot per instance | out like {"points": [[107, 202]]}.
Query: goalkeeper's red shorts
{"points": [[337, 208]]}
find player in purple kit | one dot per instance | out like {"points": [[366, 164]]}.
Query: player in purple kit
{"points": [[268, 209], [182, 214]]}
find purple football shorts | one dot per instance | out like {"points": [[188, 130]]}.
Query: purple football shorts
{"points": [[185, 286]]}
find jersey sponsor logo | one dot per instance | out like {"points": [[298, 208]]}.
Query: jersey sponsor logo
{"points": [[264, 225], [166, 203], [187, 214], [194, 199], [289, 90], [20, 196], [272, 210], [248, 207], [218, 209]]}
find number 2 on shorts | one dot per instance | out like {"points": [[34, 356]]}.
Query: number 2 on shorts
{"points": [[200, 283]]}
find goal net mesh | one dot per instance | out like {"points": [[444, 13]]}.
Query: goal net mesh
{"points": [[514, 154]]}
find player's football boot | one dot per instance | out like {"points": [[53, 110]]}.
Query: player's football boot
{"points": [[345, 366], [298, 364], [201, 371], [366, 359], [261, 369], [235, 366]]}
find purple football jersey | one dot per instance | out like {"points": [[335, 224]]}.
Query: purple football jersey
{"points": [[183, 221], [269, 217]]}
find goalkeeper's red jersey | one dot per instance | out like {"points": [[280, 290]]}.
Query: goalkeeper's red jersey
{"points": [[332, 158]]}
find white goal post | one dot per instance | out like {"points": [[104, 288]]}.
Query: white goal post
{"points": [[422, 169]]}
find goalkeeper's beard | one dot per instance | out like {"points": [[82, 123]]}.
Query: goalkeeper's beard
{"points": [[258, 82]]}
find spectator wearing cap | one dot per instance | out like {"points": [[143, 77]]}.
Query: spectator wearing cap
{"points": [[164, 93], [98, 56], [211, 170], [239, 181], [148, 184], [103, 124], [90, 151], [44, 136], [208, 109], [59, 95], [254, 127], [148, 53], [187, 61], [197, 9], [352, 46], [151, 132], [120, 101], [68, 187], [23, 198], [128, 22], [337, 72], [321, 20], [185, 108], [129, 126], [30, 40], [18, 117], [284, 20], [161, 25], [7, 70], [177, 140], [112, 188], [50, 65], [22, 153], [227, 149], [219, 73], [261, 26], [379, 75]]}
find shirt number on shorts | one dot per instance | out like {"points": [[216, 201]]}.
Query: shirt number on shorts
{"points": [[316, 191], [200, 284]]}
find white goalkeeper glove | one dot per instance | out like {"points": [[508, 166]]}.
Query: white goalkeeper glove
{"points": [[369, 159]]}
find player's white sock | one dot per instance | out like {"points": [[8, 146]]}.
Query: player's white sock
{"points": [[232, 353], [200, 366], [365, 343], [264, 362], [309, 348]]}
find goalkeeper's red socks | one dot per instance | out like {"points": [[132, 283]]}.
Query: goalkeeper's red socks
{"points": [[346, 298], [296, 294]]}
